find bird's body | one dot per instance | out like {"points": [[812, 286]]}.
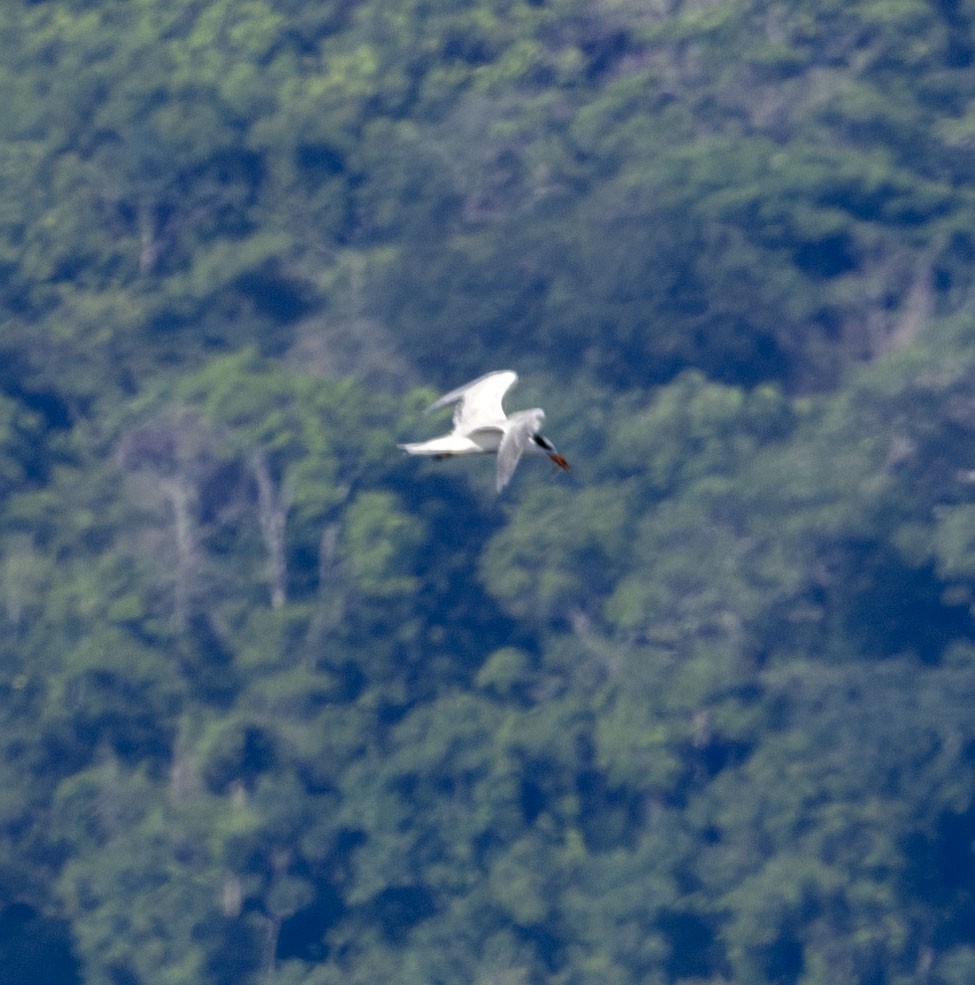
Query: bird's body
{"points": [[481, 427]]}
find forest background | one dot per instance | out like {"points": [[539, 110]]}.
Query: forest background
{"points": [[281, 705]]}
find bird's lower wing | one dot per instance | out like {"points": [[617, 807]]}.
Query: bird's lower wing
{"points": [[510, 451]]}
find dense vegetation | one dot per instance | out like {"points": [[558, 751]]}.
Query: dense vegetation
{"points": [[280, 705]]}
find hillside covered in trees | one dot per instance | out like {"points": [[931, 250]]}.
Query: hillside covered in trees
{"points": [[280, 705]]}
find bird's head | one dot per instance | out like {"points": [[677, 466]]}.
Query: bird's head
{"points": [[549, 449]]}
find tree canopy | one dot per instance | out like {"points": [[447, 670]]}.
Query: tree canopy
{"points": [[279, 704]]}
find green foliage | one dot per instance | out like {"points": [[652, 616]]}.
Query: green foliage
{"points": [[377, 544], [557, 554], [278, 704]]}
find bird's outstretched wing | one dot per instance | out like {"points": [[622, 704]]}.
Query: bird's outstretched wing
{"points": [[521, 427], [479, 401]]}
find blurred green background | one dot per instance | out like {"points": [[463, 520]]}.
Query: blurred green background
{"points": [[281, 705]]}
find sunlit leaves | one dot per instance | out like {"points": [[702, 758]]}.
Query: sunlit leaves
{"points": [[378, 541], [955, 542], [582, 535], [280, 706]]}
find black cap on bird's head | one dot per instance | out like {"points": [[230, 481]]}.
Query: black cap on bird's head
{"points": [[549, 450]]}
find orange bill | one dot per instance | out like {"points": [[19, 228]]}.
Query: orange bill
{"points": [[561, 462]]}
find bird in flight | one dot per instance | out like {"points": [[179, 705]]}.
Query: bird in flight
{"points": [[481, 427]]}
